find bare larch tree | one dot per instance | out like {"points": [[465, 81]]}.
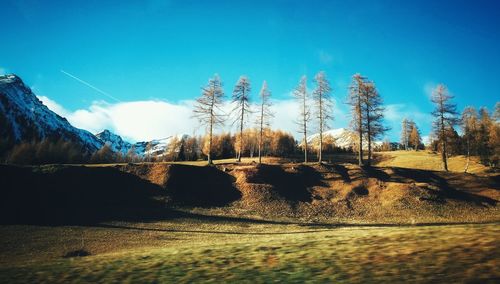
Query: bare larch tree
{"points": [[323, 103], [444, 118], [372, 106], [264, 116], [300, 93], [354, 99], [208, 109], [405, 129], [469, 123], [241, 109]]}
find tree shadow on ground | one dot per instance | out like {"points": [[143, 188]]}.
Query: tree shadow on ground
{"points": [[446, 190], [81, 195], [380, 157], [200, 186], [455, 186], [343, 172], [78, 195], [293, 186], [308, 227]]}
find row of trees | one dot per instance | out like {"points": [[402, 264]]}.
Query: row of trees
{"points": [[47, 152], [364, 99], [225, 145], [480, 129], [209, 111], [367, 114], [410, 135], [480, 132]]}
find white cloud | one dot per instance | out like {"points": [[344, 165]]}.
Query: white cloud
{"points": [[396, 113], [53, 106], [286, 114], [153, 119]]}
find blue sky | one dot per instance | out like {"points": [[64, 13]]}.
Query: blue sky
{"points": [[164, 51]]}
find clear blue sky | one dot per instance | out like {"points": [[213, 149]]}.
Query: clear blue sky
{"points": [[140, 50]]}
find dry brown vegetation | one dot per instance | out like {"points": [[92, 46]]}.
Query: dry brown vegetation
{"points": [[330, 193], [326, 193], [425, 160], [239, 221]]}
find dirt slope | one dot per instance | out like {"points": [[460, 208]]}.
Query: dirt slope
{"points": [[327, 193], [345, 191]]}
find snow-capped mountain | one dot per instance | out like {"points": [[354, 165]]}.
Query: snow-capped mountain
{"points": [[115, 142], [23, 117], [341, 137], [156, 147]]}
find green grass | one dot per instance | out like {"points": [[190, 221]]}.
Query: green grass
{"points": [[185, 251], [426, 160]]}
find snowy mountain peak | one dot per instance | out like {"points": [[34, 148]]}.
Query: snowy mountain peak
{"points": [[115, 142], [341, 137], [155, 147], [24, 118]]}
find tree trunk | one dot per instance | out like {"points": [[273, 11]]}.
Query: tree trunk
{"points": [[211, 130], [210, 145], [305, 145], [240, 150], [261, 126], [369, 134], [305, 131], [320, 156], [443, 141], [241, 131], [468, 155], [360, 133]]}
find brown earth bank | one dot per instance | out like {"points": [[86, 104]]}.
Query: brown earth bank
{"points": [[328, 193]]}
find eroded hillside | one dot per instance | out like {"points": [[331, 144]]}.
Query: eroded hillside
{"points": [[313, 192], [321, 193]]}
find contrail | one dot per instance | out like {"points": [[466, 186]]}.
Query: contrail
{"points": [[89, 85]]}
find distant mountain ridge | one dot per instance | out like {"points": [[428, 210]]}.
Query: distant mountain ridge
{"points": [[155, 147], [24, 118], [342, 138]]}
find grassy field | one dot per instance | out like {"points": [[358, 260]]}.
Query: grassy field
{"points": [[402, 221], [421, 160], [195, 250], [425, 160]]}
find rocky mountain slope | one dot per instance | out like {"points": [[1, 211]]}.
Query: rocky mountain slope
{"points": [[341, 137], [156, 147], [23, 117]]}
